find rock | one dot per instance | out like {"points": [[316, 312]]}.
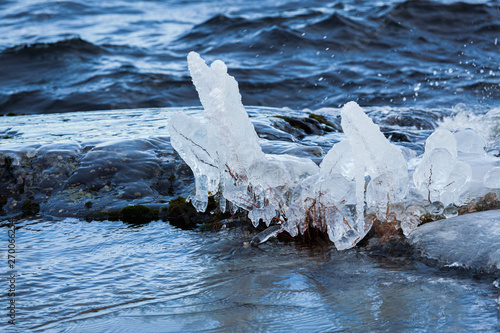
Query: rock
{"points": [[138, 214], [30, 208], [470, 241], [90, 179]]}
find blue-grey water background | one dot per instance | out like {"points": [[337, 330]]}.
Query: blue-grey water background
{"points": [[59, 56], [67, 56]]}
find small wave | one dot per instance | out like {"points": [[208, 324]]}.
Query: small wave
{"points": [[489, 89], [338, 25], [263, 31], [74, 45], [443, 18]]}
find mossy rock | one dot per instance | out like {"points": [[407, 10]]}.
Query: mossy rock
{"points": [[182, 214], [306, 125], [113, 215], [30, 208], [321, 119], [138, 214], [3, 202], [285, 118]]}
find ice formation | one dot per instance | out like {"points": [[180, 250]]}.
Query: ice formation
{"points": [[363, 175], [440, 176], [226, 159], [335, 200], [224, 152]]}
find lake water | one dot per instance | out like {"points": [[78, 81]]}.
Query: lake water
{"points": [[60, 56], [77, 276]]}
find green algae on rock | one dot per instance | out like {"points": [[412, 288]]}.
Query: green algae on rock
{"points": [[30, 208], [138, 214]]}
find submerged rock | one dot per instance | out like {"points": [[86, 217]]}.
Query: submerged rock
{"points": [[470, 241], [84, 180]]}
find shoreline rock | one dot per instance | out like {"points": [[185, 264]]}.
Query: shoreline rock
{"points": [[470, 242], [76, 180]]}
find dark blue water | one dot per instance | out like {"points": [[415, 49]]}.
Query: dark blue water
{"points": [[59, 56]]}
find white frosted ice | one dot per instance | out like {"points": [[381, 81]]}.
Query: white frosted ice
{"points": [[470, 141], [443, 139], [440, 176], [370, 156], [190, 139], [225, 154], [361, 175], [374, 156], [492, 178]]}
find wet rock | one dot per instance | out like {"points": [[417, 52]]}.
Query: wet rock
{"points": [[268, 132], [329, 126], [396, 136], [300, 127], [307, 125], [419, 119], [64, 177], [30, 208], [470, 241]]}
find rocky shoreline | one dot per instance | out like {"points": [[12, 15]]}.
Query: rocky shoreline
{"points": [[140, 179]]}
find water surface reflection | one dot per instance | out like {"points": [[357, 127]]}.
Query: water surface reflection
{"points": [[108, 276]]}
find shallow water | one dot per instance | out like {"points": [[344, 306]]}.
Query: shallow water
{"points": [[77, 276]]}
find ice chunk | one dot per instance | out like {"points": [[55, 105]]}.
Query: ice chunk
{"points": [[226, 158], [439, 176], [190, 139], [319, 202], [374, 156], [436, 208], [411, 218], [470, 241], [492, 178], [339, 160], [225, 154], [409, 223], [441, 139], [470, 141], [265, 235], [334, 200], [227, 120], [450, 211]]}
